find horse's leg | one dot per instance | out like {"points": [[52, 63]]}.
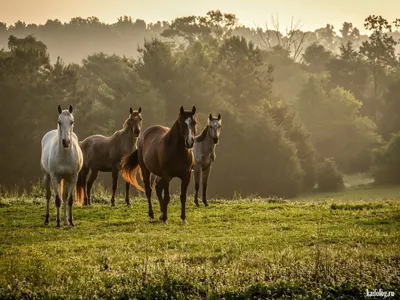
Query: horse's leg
{"points": [[46, 183], [184, 185], [71, 201], [92, 178], [83, 177], [197, 170], [127, 201], [204, 179], [167, 197], [159, 190], [115, 171], [65, 198], [146, 179], [55, 183]]}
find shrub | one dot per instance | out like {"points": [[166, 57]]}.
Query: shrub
{"points": [[329, 177], [386, 162]]}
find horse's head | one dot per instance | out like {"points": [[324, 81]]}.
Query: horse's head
{"points": [[214, 125], [134, 122], [187, 126], [65, 125]]}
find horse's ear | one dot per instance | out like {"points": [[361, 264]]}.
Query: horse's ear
{"points": [[181, 112], [210, 117], [70, 109], [193, 110], [130, 110], [140, 110], [59, 109], [219, 117]]}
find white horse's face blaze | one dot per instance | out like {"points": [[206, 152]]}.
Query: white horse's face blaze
{"points": [[65, 128], [190, 134], [215, 129]]}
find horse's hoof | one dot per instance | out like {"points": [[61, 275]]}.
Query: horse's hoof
{"points": [[71, 223], [66, 223], [165, 222], [58, 225], [46, 223], [112, 204], [205, 204], [128, 203], [197, 203], [184, 222]]}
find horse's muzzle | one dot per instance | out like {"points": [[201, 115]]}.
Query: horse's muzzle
{"points": [[136, 133], [66, 143], [216, 140], [189, 145]]}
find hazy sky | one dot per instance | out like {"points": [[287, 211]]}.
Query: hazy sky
{"points": [[312, 13]]}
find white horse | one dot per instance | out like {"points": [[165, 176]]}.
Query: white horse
{"points": [[61, 162], [204, 155]]}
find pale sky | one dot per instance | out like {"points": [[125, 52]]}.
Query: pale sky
{"points": [[312, 13]]}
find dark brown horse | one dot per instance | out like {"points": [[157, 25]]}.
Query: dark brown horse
{"points": [[166, 153], [104, 154]]}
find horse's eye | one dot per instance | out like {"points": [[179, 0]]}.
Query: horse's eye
{"points": [[72, 122]]}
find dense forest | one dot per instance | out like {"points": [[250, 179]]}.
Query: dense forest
{"points": [[298, 108]]}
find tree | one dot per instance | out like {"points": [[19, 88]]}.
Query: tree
{"points": [[390, 123], [285, 117], [348, 70], [316, 58], [215, 26], [379, 52], [292, 42], [349, 33], [338, 129], [30, 89]]}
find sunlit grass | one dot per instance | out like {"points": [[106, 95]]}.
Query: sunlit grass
{"points": [[318, 246]]}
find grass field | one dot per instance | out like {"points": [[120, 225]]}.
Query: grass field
{"points": [[325, 246]]}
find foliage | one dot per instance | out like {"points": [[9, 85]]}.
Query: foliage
{"points": [[379, 52], [329, 177], [333, 104], [316, 58], [285, 117], [386, 162], [390, 122], [338, 129]]}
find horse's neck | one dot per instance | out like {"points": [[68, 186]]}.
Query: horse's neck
{"points": [[173, 137], [208, 144], [126, 138]]}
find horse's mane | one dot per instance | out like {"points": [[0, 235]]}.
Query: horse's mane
{"points": [[201, 137], [125, 123]]}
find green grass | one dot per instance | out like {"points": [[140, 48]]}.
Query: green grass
{"points": [[320, 246]]}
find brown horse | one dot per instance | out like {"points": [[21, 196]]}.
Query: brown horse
{"points": [[104, 154], [167, 153]]}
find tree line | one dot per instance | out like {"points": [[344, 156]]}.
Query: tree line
{"points": [[297, 108]]}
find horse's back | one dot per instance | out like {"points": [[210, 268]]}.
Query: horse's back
{"points": [[152, 135], [95, 149]]}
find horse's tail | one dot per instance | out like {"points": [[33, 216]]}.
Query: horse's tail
{"points": [[130, 167], [80, 188]]}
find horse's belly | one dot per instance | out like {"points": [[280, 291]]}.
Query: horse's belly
{"points": [[65, 171]]}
